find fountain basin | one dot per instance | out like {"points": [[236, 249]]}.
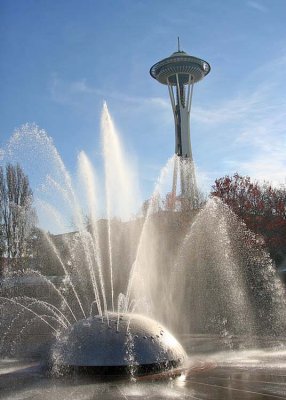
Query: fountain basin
{"points": [[119, 341]]}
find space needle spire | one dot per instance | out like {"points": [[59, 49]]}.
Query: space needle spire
{"points": [[180, 72]]}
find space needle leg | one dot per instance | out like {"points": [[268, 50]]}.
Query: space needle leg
{"points": [[175, 178]]}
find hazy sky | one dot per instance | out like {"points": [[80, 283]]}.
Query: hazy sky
{"points": [[60, 59]]}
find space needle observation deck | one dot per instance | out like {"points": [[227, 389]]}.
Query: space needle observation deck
{"points": [[180, 72]]}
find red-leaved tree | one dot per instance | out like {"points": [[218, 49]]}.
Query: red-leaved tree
{"points": [[261, 206]]}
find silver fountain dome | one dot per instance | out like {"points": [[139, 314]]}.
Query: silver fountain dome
{"points": [[119, 341]]}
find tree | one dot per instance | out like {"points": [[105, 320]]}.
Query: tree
{"points": [[17, 216], [262, 208]]}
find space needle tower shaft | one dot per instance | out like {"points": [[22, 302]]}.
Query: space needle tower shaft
{"points": [[180, 72]]}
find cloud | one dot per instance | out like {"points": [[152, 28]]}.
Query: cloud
{"points": [[79, 95], [81, 86], [253, 124], [263, 168], [68, 93], [64, 92], [231, 110], [266, 136], [261, 93], [257, 6]]}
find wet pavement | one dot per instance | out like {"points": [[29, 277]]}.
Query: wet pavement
{"points": [[236, 374]]}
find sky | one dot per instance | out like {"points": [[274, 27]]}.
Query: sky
{"points": [[61, 59]]}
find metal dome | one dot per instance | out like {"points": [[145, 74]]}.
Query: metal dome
{"points": [[130, 340], [182, 64]]}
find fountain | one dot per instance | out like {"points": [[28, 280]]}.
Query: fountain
{"points": [[100, 297], [200, 273], [93, 322]]}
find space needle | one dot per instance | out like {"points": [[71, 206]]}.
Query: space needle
{"points": [[180, 72]]}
